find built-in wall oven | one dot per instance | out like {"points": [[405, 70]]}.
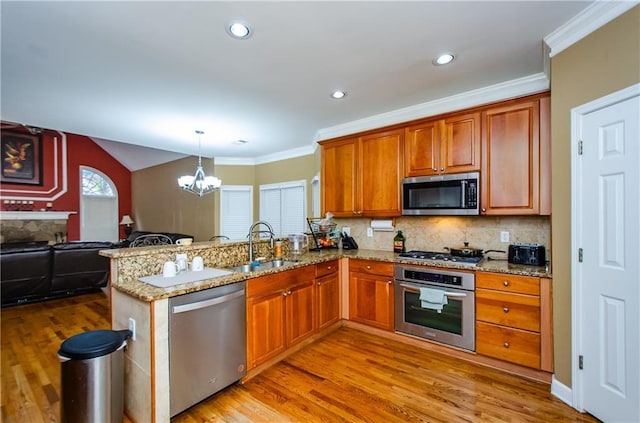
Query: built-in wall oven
{"points": [[454, 323]]}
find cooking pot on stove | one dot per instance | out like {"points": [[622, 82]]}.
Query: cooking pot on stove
{"points": [[467, 251]]}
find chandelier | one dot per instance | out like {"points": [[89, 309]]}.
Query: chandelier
{"points": [[199, 184]]}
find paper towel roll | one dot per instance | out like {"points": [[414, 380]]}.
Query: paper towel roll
{"points": [[382, 225]]}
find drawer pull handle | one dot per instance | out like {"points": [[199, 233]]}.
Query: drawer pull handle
{"points": [[505, 309], [328, 267], [506, 345], [368, 267], [505, 283], [389, 282]]}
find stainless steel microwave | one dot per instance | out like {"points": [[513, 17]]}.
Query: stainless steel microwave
{"points": [[441, 195]]}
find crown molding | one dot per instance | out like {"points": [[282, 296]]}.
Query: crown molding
{"points": [[584, 23], [502, 91], [269, 158]]}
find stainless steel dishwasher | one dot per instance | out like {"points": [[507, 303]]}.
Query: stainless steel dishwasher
{"points": [[207, 341]]}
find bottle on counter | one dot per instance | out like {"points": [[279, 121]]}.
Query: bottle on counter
{"points": [[398, 243], [278, 249]]}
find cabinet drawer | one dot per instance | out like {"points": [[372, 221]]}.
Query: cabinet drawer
{"points": [[372, 267], [281, 280], [514, 310], [509, 283], [326, 268], [513, 345]]}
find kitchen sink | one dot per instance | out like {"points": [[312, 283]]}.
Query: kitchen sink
{"points": [[262, 266]]}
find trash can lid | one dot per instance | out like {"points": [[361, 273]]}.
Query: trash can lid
{"points": [[93, 344]]}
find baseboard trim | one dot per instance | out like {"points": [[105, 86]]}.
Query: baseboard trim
{"points": [[562, 391]]}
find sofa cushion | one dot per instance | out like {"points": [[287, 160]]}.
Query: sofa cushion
{"points": [[24, 271], [78, 266]]}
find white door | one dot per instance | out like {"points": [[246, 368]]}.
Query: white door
{"points": [[607, 216]]}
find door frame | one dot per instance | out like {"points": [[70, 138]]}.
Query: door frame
{"points": [[577, 114]]}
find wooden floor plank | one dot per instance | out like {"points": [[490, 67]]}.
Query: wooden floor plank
{"points": [[347, 376]]}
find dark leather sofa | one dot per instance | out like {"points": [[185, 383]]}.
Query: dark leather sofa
{"points": [[33, 271]]}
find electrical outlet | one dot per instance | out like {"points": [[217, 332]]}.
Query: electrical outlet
{"points": [[504, 236], [132, 328], [182, 256], [346, 230], [369, 232]]}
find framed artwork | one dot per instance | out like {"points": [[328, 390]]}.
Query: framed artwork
{"points": [[21, 158]]}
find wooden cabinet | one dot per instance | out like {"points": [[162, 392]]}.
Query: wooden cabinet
{"points": [[450, 145], [280, 313], [339, 177], [327, 294], [371, 293], [513, 319], [516, 162], [361, 176]]}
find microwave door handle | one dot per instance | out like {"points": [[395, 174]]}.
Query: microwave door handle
{"points": [[463, 193], [415, 290]]}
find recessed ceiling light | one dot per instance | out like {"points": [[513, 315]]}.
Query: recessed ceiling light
{"points": [[338, 94], [239, 30], [443, 59]]}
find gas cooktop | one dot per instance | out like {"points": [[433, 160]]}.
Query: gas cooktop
{"points": [[440, 257]]}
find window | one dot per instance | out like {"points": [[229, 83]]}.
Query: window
{"points": [[284, 206], [98, 206], [96, 184], [236, 211]]}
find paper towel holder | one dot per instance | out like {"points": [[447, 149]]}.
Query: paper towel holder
{"points": [[383, 225]]}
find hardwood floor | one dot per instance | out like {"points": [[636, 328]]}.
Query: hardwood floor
{"points": [[348, 376]]}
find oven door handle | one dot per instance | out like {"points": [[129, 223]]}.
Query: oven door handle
{"points": [[412, 288]]}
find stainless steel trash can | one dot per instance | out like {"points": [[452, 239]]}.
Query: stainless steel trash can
{"points": [[92, 377]]}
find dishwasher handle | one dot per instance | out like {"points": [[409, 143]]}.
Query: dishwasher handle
{"points": [[207, 303]]}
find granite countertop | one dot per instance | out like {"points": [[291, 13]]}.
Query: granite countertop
{"points": [[146, 292]]}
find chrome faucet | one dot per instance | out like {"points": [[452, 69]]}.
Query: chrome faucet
{"points": [[252, 232]]}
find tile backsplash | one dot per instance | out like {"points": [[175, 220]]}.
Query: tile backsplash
{"points": [[434, 233]]}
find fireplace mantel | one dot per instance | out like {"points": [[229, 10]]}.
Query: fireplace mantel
{"points": [[35, 215]]}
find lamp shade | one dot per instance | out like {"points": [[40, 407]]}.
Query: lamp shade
{"points": [[126, 220]]}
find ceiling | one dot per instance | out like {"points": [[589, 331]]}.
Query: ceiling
{"points": [[139, 74]]}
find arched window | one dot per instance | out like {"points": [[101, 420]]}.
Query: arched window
{"points": [[98, 206], [96, 183]]}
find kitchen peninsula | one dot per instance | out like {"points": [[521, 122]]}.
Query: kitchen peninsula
{"points": [[147, 358]]}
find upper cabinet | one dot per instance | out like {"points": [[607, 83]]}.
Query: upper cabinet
{"points": [[450, 145], [362, 176], [339, 177], [508, 142], [515, 177]]}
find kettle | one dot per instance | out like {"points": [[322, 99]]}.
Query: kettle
{"points": [[298, 243]]}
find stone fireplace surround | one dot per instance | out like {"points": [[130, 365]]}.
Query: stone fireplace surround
{"points": [[21, 226]]}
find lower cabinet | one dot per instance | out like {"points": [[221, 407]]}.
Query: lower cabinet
{"points": [[371, 293], [513, 319], [327, 294], [280, 313]]}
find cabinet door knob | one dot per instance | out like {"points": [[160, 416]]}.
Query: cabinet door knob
{"points": [[505, 309], [442, 169], [505, 283], [328, 267], [389, 282], [506, 345], [284, 294], [435, 169], [318, 283], [484, 210]]}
